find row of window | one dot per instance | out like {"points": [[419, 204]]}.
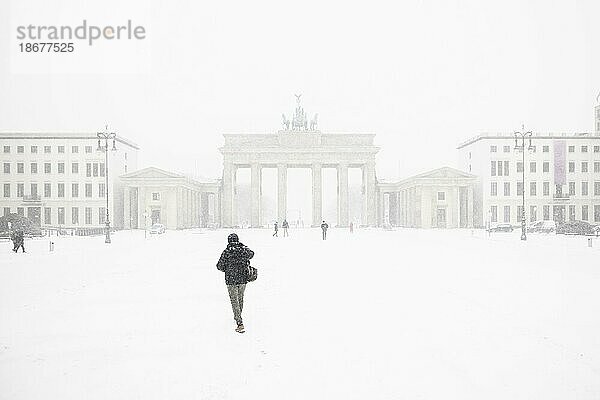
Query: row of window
{"points": [[506, 213], [47, 149], [91, 170], [60, 190], [584, 186], [502, 168], [50, 217], [545, 149]]}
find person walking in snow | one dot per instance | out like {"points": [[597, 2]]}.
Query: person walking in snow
{"points": [[285, 227], [234, 262], [276, 227], [19, 241], [351, 227], [324, 228]]}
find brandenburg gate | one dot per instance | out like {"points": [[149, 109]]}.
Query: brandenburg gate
{"points": [[302, 146]]}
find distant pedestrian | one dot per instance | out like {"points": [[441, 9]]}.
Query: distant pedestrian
{"points": [[351, 227], [234, 262], [18, 241], [276, 227], [324, 228], [285, 227]]}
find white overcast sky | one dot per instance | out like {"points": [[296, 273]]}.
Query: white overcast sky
{"points": [[422, 75]]}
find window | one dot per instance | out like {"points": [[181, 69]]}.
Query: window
{"points": [[47, 168], [102, 169], [47, 216], [596, 149], [584, 149], [88, 149], [75, 168], [33, 167], [20, 149], [545, 149], [558, 190], [441, 196], [493, 214], [88, 190], [533, 149], [33, 149], [101, 215], [532, 167], [61, 167], [506, 213], [494, 189], [33, 190], [88, 215], [61, 190], [507, 188], [519, 166], [506, 149], [61, 149], [596, 213], [532, 213], [7, 190], [500, 168], [95, 170], [571, 167], [20, 189], [571, 213], [6, 211], [546, 213], [493, 149], [584, 213], [7, 168], [519, 188], [596, 166], [20, 168], [505, 168], [75, 215], [47, 190], [47, 149], [74, 189], [533, 188], [88, 170], [584, 188], [571, 188], [61, 215], [101, 190], [571, 149], [545, 166], [584, 167], [21, 211], [74, 149], [6, 149], [596, 188], [519, 213]]}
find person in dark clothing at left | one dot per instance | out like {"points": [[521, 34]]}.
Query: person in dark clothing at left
{"points": [[234, 263], [276, 228], [18, 239]]}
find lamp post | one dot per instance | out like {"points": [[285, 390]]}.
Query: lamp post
{"points": [[522, 137], [106, 136]]}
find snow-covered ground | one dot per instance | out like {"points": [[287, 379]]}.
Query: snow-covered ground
{"points": [[405, 314]]}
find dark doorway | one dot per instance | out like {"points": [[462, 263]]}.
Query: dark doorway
{"points": [[155, 216], [441, 217]]}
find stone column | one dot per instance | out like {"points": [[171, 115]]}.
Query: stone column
{"points": [[227, 200], [371, 193], [380, 208], [127, 208], [317, 190], [456, 206], [141, 207], [364, 215], [470, 206], [342, 174], [255, 183], [281, 192]]}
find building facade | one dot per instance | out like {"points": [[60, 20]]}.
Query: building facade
{"points": [[58, 180], [562, 177], [152, 195]]}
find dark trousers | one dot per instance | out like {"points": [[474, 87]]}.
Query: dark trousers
{"points": [[236, 296], [17, 246], [324, 234], [285, 232], [275, 234]]}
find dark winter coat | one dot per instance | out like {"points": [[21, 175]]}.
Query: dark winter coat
{"points": [[285, 225], [234, 262], [324, 226]]}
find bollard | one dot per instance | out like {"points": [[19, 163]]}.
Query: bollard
{"points": [[589, 242]]}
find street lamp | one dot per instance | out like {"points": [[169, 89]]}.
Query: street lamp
{"points": [[522, 137], [106, 136]]}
